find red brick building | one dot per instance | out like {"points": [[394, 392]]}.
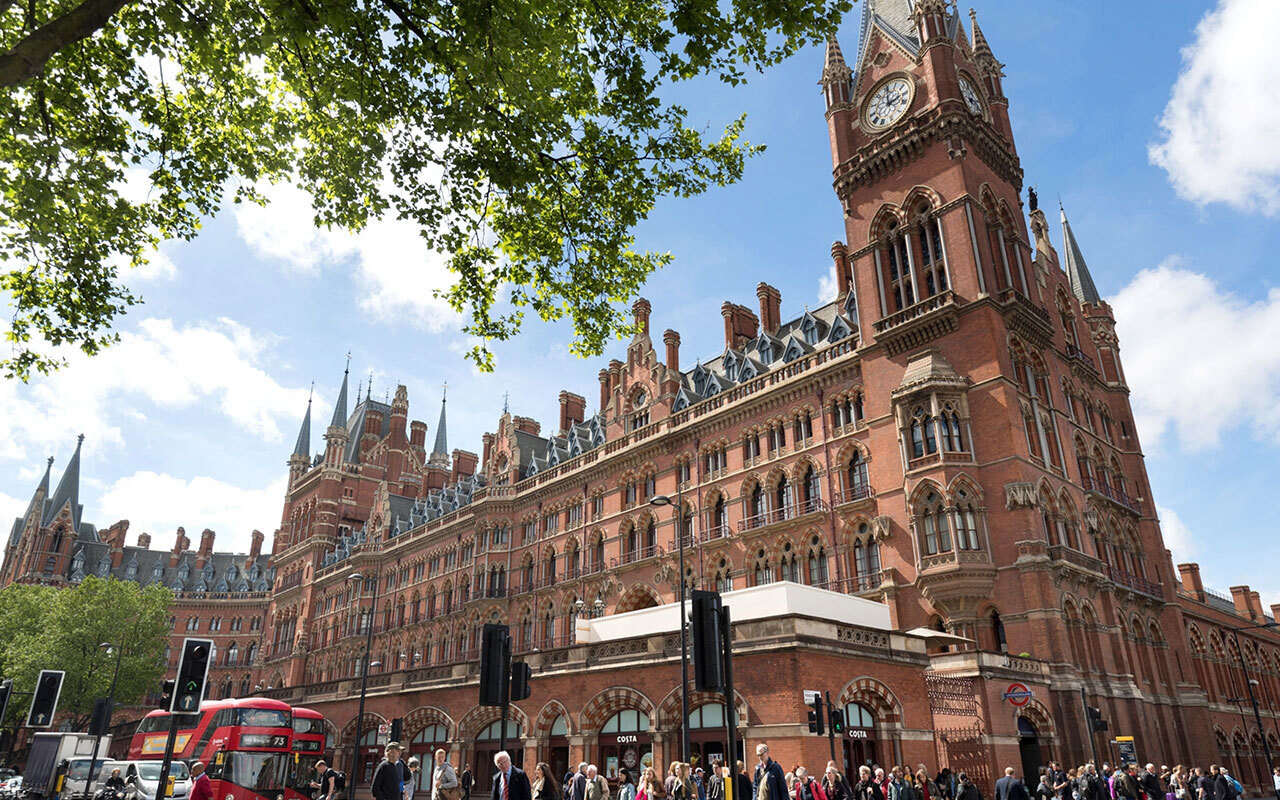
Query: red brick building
{"points": [[950, 437]]}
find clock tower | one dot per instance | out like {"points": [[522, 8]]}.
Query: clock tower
{"points": [[924, 165]]}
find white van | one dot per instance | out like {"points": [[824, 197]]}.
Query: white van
{"points": [[142, 777]]}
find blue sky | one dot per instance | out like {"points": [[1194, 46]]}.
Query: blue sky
{"points": [[1151, 120]]}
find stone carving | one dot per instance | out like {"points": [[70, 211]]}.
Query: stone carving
{"points": [[1019, 495], [881, 526]]}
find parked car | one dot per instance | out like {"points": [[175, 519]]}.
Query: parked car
{"points": [[11, 788]]}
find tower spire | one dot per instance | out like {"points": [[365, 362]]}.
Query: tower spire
{"points": [[68, 491], [303, 446], [340, 408], [1077, 271], [440, 450], [980, 45]]}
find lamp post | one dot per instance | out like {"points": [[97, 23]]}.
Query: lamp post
{"points": [[663, 500], [111, 696], [1253, 699], [356, 578]]}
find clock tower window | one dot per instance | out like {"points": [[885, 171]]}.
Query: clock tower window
{"points": [[901, 269]]}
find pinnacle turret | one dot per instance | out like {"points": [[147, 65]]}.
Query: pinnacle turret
{"points": [[440, 450], [340, 407], [1077, 271], [68, 491], [834, 68], [303, 446]]}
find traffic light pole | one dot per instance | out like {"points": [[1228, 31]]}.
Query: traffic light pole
{"points": [[162, 785], [730, 705], [97, 740], [831, 727], [506, 691], [1088, 728]]}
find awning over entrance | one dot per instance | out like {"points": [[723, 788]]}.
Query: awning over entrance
{"points": [[937, 638]]}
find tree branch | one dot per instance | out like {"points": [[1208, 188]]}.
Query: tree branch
{"points": [[28, 56]]}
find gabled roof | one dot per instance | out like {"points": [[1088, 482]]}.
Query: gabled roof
{"points": [[67, 493], [356, 430], [893, 17]]}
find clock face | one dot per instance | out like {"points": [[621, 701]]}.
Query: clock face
{"points": [[970, 96], [889, 103]]}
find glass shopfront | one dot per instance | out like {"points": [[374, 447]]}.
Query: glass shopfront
{"points": [[625, 742], [859, 738], [558, 748], [487, 746], [424, 746], [708, 735]]}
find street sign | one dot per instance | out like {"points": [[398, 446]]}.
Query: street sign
{"points": [[1128, 749], [810, 695], [384, 729], [1018, 694]]}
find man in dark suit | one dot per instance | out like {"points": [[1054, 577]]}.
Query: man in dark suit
{"points": [[1010, 788], [509, 783]]}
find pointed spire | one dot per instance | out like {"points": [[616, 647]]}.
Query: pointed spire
{"points": [[1077, 271], [834, 68], [68, 491], [440, 450], [41, 492], [303, 446], [340, 408], [980, 46]]}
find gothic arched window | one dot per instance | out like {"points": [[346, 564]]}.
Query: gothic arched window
{"points": [[932, 254], [924, 440], [901, 286], [933, 525], [966, 519]]}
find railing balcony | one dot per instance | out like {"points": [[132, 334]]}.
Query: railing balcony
{"points": [[639, 554], [913, 311], [1134, 582], [1060, 552], [854, 494], [856, 584], [713, 532], [782, 514], [1079, 355], [592, 567], [1114, 494]]}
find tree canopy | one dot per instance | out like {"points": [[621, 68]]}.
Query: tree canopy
{"points": [[46, 628], [525, 139]]}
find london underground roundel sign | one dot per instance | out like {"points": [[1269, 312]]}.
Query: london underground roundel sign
{"points": [[1018, 694]]}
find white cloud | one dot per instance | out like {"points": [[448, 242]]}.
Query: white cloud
{"points": [[1177, 536], [159, 267], [396, 272], [827, 289], [158, 504], [1200, 360], [1224, 109], [159, 363]]}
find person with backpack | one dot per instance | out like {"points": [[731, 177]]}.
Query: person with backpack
{"points": [[807, 788], [445, 784]]}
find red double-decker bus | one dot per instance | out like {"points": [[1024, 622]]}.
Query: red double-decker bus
{"points": [[245, 744], [308, 748]]}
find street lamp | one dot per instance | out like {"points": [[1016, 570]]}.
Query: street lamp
{"points": [[111, 695], [357, 579], [659, 501], [1253, 699]]}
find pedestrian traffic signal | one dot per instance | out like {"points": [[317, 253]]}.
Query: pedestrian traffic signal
{"points": [[397, 729], [520, 673], [166, 693], [495, 664], [44, 703], [1096, 722], [835, 717], [708, 643], [193, 671], [6, 689], [815, 716]]}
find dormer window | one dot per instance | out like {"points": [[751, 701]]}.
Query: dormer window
{"points": [[810, 332]]}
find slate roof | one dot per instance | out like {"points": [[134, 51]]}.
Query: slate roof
{"points": [[355, 427], [222, 572]]}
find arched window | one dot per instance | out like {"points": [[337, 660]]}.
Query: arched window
{"points": [[782, 496], [924, 440], [233, 654], [934, 270], [650, 537], [761, 568], [789, 568], [809, 488], [757, 500], [866, 558], [858, 716], [966, 521], [997, 632], [949, 425], [933, 524], [901, 287], [724, 576], [719, 519], [817, 562], [856, 477]]}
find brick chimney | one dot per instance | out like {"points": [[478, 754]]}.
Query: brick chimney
{"points": [[844, 278], [1240, 596], [206, 547], [144, 540], [464, 464], [573, 409], [255, 545], [1275, 611], [740, 324], [418, 434], [672, 340], [527, 424], [604, 388], [641, 309], [487, 439], [1255, 605], [615, 376], [770, 307], [1191, 583]]}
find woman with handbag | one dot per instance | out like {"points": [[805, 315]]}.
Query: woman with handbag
{"points": [[444, 781]]}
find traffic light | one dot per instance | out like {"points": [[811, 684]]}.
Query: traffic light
{"points": [[166, 693], [397, 729], [495, 660], [44, 703], [1096, 722], [6, 689], [100, 721], [520, 672], [815, 716], [193, 671], [708, 663], [835, 717]]}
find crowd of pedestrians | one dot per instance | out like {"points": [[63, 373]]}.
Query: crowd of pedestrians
{"points": [[396, 780]]}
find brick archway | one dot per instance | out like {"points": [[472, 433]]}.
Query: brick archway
{"points": [[480, 717], [422, 716], [1039, 715], [668, 716], [370, 721], [639, 596], [609, 702], [873, 694], [541, 727]]}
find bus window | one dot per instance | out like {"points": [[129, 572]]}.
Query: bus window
{"points": [[264, 718], [259, 772]]}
